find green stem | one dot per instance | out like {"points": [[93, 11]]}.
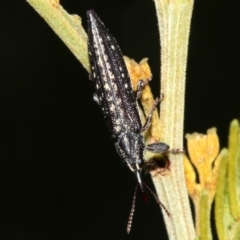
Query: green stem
{"points": [[67, 27], [221, 199], [204, 220], [174, 24], [233, 169]]}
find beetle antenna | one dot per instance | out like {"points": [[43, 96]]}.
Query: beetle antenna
{"points": [[130, 218], [157, 199]]}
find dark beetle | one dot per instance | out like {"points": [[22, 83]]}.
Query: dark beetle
{"points": [[115, 95]]}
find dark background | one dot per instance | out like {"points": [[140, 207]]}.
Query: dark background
{"points": [[61, 177]]}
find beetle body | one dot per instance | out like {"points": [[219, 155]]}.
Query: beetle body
{"points": [[118, 102]]}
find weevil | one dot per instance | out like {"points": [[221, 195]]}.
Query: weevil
{"points": [[118, 101]]}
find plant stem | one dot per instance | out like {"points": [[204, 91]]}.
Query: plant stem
{"points": [[221, 210], [67, 27], [174, 24]]}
